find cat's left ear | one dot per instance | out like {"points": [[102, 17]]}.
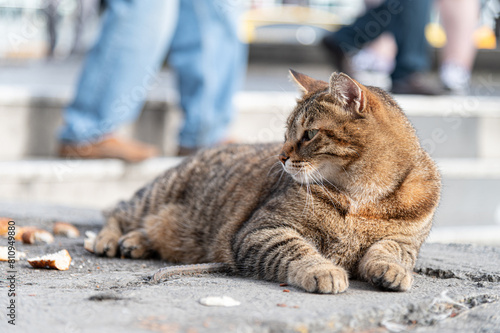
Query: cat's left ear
{"points": [[307, 83], [347, 92]]}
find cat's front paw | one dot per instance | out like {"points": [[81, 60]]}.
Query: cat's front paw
{"points": [[134, 245], [106, 243], [324, 278], [389, 276]]}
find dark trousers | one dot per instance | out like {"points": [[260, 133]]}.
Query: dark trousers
{"points": [[405, 19]]}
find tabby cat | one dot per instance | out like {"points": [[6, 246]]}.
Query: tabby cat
{"points": [[349, 193]]}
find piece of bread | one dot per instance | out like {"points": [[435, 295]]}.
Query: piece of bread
{"points": [[88, 243], [32, 235], [4, 225], [4, 254], [4, 228], [59, 260], [19, 233], [65, 229]]}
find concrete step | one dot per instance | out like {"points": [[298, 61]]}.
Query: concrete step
{"points": [[43, 215], [449, 127], [470, 197]]}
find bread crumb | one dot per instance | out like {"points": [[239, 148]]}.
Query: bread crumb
{"points": [[88, 243], [32, 235], [65, 229], [60, 260], [4, 254]]}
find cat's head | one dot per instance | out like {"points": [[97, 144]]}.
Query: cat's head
{"points": [[348, 135]]}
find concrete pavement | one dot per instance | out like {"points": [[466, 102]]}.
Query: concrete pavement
{"points": [[456, 289]]}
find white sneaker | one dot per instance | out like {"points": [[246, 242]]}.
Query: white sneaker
{"points": [[455, 78]]}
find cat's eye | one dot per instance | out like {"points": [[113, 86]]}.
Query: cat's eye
{"points": [[310, 134]]}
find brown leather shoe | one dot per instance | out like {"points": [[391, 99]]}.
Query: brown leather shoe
{"points": [[110, 147], [186, 151]]}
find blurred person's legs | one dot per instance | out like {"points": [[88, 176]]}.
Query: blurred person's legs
{"points": [[210, 62], [349, 40], [377, 56], [50, 11], [406, 20], [413, 56], [117, 75], [86, 10], [459, 19]]}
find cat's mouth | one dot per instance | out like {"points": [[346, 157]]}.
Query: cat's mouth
{"points": [[303, 172]]}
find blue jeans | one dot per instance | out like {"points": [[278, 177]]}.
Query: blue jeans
{"points": [[406, 20], [135, 38]]}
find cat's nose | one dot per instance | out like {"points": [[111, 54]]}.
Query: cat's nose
{"points": [[283, 157]]}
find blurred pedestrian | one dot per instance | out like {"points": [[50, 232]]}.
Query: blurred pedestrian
{"points": [[205, 52], [406, 21], [85, 11], [374, 63]]}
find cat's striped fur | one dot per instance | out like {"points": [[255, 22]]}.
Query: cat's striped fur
{"points": [[351, 192]]}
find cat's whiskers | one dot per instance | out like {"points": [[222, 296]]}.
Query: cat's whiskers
{"points": [[355, 199], [269, 157], [310, 191], [273, 167], [308, 175], [309, 196], [347, 174], [272, 171], [330, 195], [322, 178], [319, 180], [283, 171], [301, 176]]}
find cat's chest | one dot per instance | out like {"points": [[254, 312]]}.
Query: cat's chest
{"points": [[329, 227], [337, 236]]}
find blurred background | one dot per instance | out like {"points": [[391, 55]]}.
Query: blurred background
{"points": [[36, 29], [43, 44]]}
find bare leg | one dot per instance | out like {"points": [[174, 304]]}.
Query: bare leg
{"points": [[459, 19]]}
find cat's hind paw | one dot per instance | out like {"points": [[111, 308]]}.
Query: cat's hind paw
{"points": [[325, 278], [389, 276]]}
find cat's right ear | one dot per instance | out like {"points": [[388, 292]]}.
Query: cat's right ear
{"points": [[347, 92], [307, 83]]}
